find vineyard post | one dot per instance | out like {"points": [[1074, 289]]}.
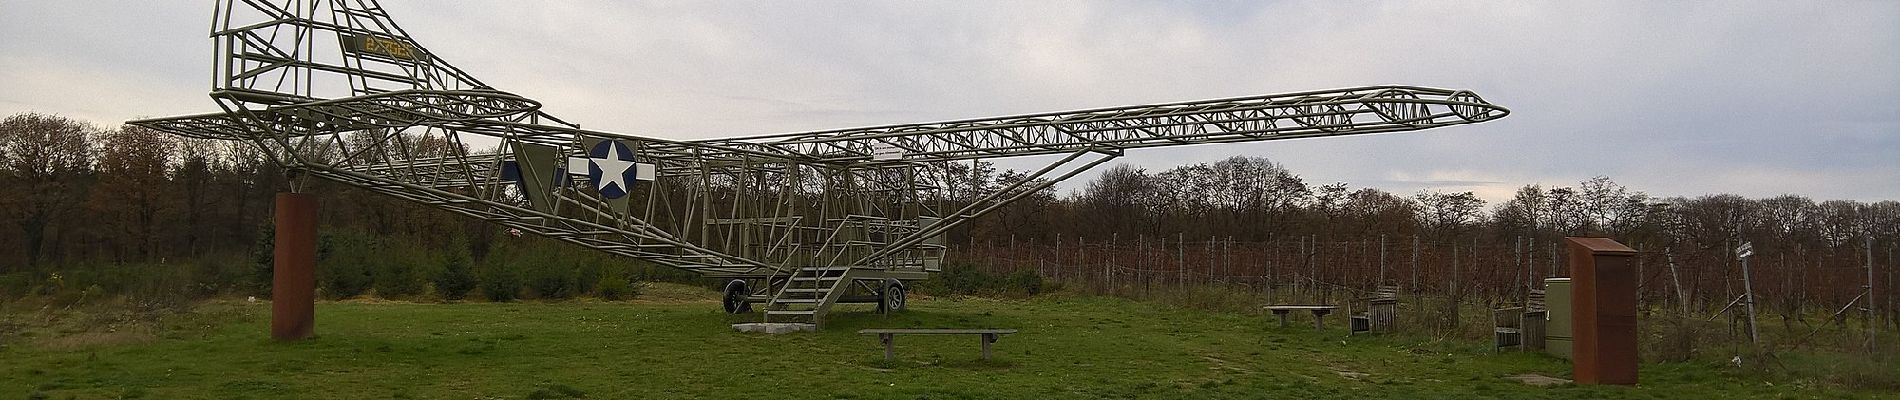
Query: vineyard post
{"points": [[1227, 260], [1669, 255], [1415, 268], [1381, 259], [1748, 289], [1517, 262]]}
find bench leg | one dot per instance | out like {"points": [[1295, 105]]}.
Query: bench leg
{"points": [[886, 338], [1319, 321], [1282, 319], [987, 339]]}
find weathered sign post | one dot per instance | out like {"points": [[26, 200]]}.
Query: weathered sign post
{"points": [[1743, 252]]}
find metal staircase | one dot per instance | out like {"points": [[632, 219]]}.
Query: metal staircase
{"points": [[809, 293]]}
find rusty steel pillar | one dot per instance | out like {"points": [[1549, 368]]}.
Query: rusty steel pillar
{"points": [[1603, 304], [293, 268]]}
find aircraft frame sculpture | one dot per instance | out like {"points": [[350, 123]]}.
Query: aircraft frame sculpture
{"points": [[334, 89]]}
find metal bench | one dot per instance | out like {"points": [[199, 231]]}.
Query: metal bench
{"points": [[886, 335], [1319, 313]]}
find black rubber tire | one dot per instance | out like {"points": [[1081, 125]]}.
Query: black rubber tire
{"points": [[893, 298], [734, 297]]}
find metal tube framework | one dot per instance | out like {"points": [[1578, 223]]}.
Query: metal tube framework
{"points": [[335, 90]]}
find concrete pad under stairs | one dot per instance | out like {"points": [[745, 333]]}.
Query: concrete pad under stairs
{"points": [[774, 328]]}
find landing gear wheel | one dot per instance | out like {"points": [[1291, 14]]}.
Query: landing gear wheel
{"points": [[891, 299], [734, 297]]}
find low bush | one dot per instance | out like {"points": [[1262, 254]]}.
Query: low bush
{"points": [[215, 275], [15, 284], [548, 278], [588, 275], [614, 288], [456, 277], [1026, 282], [404, 269], [344, 264], [966, 279], [499, 282]]}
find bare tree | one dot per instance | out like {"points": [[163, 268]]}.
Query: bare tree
{"points": [[133, 162], [48, 169], [1611, 209], [1118, 200], [1448, 213]]}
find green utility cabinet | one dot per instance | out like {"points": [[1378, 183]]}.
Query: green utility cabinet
{"points": [[1557, 329]]}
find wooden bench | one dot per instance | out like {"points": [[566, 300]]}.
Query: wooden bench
{"points": [[1319, 313], [886, 335], [1381, 312], [1520, 327]]}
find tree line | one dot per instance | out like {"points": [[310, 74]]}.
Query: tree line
{"points": [[76, 194], [1250, 219], [130, 210]]}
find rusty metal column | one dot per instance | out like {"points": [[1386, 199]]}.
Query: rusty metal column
{"points": [[293, 269], [1603, 307]]}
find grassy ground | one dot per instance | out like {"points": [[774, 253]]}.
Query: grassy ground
{"points": [[676, 344]]}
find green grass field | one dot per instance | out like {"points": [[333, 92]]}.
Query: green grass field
{"points": [[676, 344]]}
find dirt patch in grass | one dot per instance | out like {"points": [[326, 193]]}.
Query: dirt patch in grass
{"points": [[113, 323], [1537, 380], [91, 340], [649, 293], [674, 293]]}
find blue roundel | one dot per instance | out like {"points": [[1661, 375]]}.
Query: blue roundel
{"points": [[610, 165]]}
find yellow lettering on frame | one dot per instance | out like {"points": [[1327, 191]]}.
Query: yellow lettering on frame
{"points": [[388, 47]]}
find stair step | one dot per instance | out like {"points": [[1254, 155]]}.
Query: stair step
{"points": [[797, 301], [806, 290], [790, 312], [815, 278]]}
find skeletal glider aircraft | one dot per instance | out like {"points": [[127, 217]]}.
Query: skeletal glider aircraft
{"points": [[800, 221]]}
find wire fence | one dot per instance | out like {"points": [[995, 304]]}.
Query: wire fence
{"points": [[1794, 288]]}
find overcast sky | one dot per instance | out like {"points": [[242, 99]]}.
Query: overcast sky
{"points": [[1671, 98]]}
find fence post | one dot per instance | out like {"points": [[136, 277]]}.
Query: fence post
{"points": [[1530, 262], [1058, 274], [1207, 261], [1414, 267], [1082, 252], [1381, 259], [1452, 294], [1553, 259], [1517, 264], [1872, 326], [1675, 277]]}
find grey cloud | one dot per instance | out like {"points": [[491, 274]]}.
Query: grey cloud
{"points": [[1674, 98]]}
